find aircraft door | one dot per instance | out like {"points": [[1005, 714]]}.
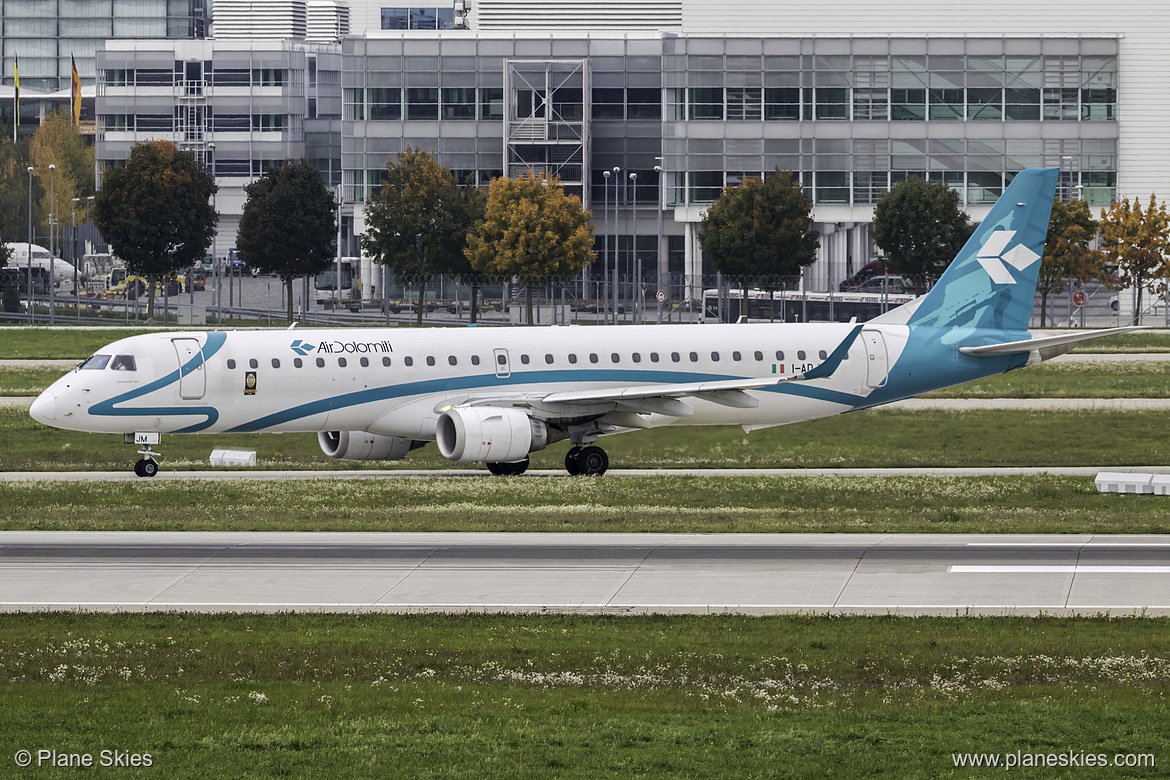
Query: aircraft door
{"points": [[192, 376], [877, 361], [503, 367]]}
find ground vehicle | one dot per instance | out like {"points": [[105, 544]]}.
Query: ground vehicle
{"points": [[195, 279], [19, 277], [892, 283], [862, 275], [328, 292]]}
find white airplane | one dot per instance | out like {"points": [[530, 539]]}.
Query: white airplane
{"points": [[495, 395], [63, 272]]}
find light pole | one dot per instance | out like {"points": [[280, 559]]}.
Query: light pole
{"points": [[215, 265], [658, 252], [73, 250], [52, 247], [88, 201], [605, 245], [32, 309], [637, 264], [616, 245]]}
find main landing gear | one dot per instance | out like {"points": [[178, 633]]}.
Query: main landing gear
{"points": [[586, 461], [146, 467], [508, 469]]}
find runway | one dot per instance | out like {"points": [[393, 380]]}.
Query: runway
{"points": [[590, 573]]}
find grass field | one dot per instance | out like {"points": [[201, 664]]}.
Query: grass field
{"points": [[581, 697], [1014, 504]]}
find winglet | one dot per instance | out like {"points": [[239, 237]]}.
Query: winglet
{"points": [[830, 365]]}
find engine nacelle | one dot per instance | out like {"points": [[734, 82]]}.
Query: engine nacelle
{"points": [[359, 445], [486, 434]]}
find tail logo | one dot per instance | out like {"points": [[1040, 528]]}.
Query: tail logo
{"points": [[995, 260]]}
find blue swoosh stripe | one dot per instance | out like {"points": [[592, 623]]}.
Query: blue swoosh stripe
{"points": [[108, 408]]}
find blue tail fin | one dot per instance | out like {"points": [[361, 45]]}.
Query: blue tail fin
{"points": [[992, 282]]}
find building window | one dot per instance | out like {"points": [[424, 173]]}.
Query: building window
{"points": [[459, 103], [782, 104], [1021, 104], [422, 103], [744, 103], [985, 104], [832, 103], [227, 77], [946, 105], [269, 122], [907, 104], [608, 103], [1098, 105], [385, 104], [644, 103], [491, 103], [871, 103], [268, 77], [705, 103]]}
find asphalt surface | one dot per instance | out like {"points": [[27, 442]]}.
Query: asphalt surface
{"points": [[594, 573]]}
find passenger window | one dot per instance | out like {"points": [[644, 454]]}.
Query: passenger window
{"points": [[452, 360], [653, 357], [524, 359], [759, 355], [475, 360], [592, 357], [674, 357], [572, 358], [298, 363], [275, 363], [637, 358], [714, 357], [430, 360], [122, 363], [694, 357], [501, 359], [230, 364], [615, 357], [735, 356], [779, 355], [320, 362], [408, 361], [98, 362], [386, 361], [824, 355], [548, 359], [253, 363], [800, 355], [365, 362], [341, 362]]}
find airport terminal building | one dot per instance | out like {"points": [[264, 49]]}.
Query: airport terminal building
{"points": [[690, 97]]}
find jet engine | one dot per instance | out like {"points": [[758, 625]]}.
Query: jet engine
{"points": [[485, 434], [359, 445]]}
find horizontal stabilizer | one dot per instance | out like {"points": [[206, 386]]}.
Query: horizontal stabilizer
{"points": [[1047, 346]]}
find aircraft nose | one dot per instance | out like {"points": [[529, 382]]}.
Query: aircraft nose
{"points": [[44, 408]]}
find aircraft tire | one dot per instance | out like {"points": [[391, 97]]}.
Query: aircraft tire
{"points": [[138, 468], [508, 469], [149, 467], [592, 461], [571, 464]]}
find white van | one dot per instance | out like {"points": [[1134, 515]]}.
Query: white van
{"points": [[63, 271]]}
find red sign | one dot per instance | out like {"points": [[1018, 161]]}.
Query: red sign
{"points": [[1079, 298]]}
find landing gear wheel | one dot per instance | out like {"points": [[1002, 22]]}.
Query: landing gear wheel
{"points": [[571, 464], [508, 469], [146, 467], [592, 461]]}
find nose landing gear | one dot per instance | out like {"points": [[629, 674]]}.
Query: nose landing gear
{"points": [[146, 466]]}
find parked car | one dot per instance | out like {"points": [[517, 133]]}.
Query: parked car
{"points": [[893, 284], [861, 276]]}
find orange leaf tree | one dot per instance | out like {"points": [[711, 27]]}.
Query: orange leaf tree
{"points": [[1136, 241]]}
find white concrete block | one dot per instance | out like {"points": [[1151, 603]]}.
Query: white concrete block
{"points": [[233, 458], [1160, 484], [1124, 482]]}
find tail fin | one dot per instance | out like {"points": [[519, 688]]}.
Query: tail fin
{"points": [[992, 282]]}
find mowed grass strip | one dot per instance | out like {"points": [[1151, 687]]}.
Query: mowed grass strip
{"points": [[881, 437], [1015, 504], [581, 697]]}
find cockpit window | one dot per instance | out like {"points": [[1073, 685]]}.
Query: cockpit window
{"points": [[95, 363], [123, 363]]}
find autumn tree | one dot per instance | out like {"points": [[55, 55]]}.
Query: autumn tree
{"points": [[58, 142], [1067, 255], [155, 211], [15, 160], [289, 224], [920, 228], [1136, 242], [760, 233], [531, 230], [417, 222]]}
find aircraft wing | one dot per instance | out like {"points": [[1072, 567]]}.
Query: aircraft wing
{"points": [[663, 398], [1046, 346]]}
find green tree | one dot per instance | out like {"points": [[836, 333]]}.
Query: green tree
{"points": [[760, 233], [531, 230], [919, 227], [15, 159], [156, 212], [473, 206], [416, 223], [289, 224], [1136, 242], [1067, 255], [57, 142]]}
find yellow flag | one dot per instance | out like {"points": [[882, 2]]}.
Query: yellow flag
{"points": [[75, 94]]}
